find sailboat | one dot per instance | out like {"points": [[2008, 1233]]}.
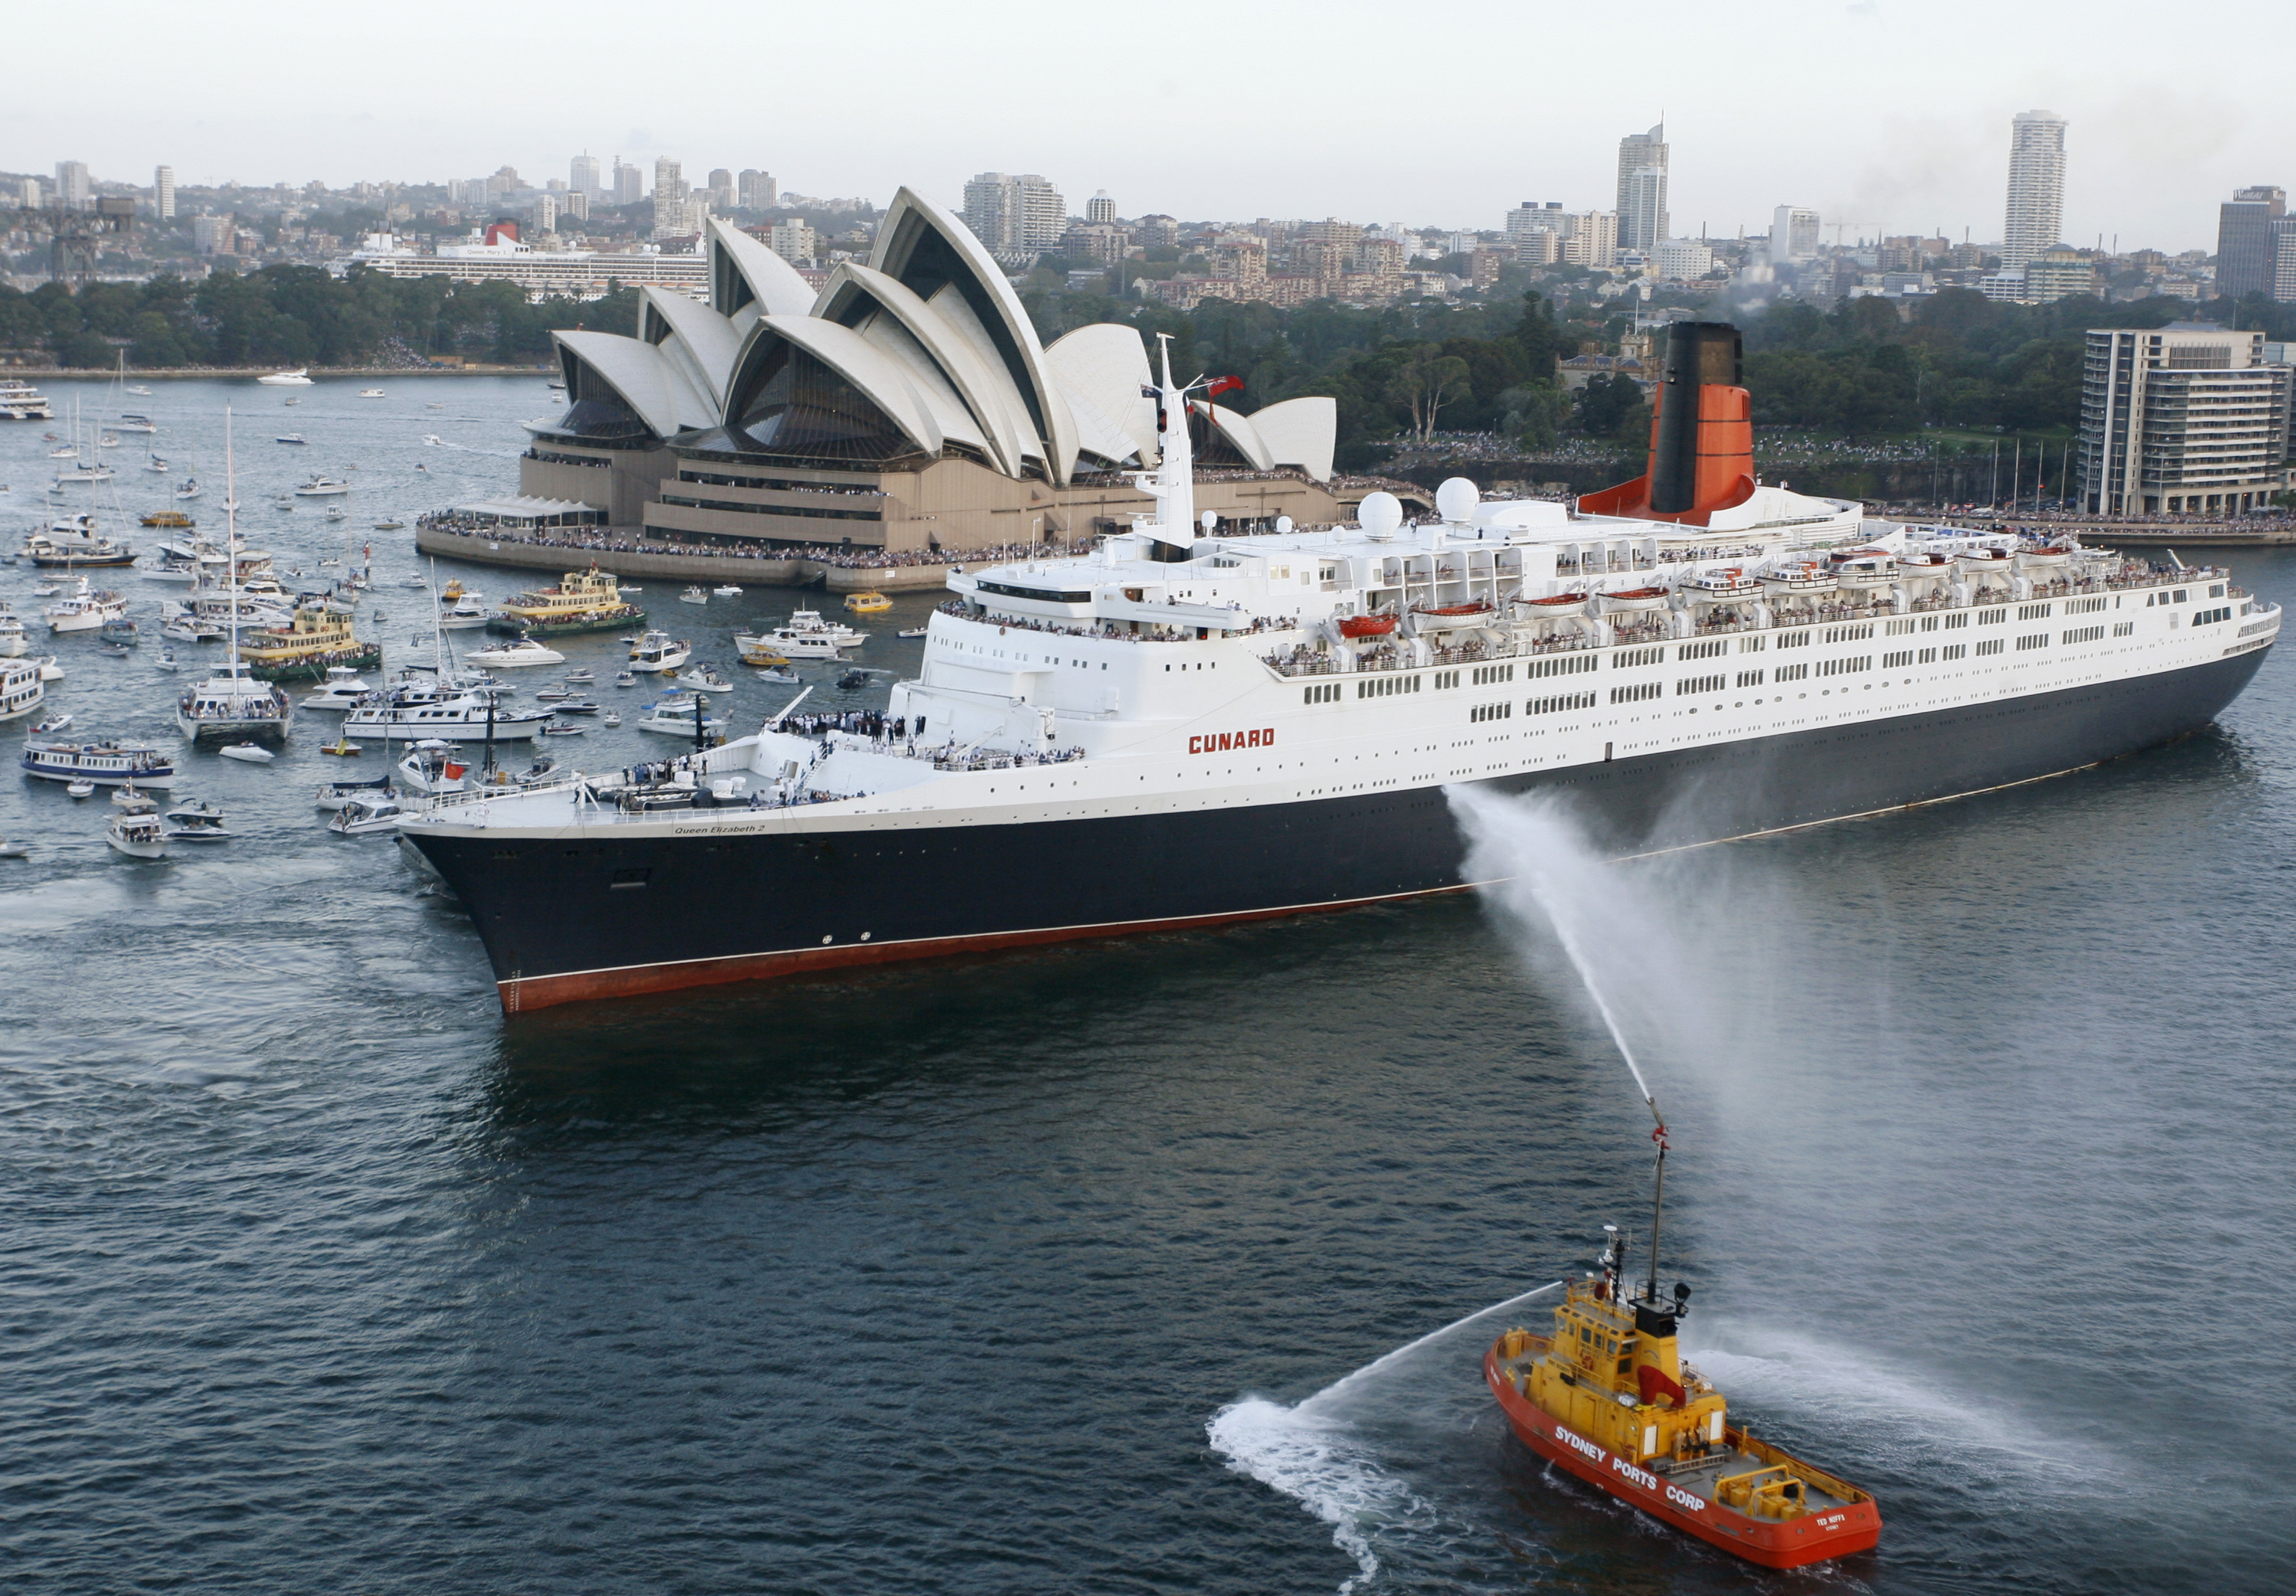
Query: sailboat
{"points": [[232, 705]]}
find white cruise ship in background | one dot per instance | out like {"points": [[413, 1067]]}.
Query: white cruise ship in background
{"points": [[1179, 730]]}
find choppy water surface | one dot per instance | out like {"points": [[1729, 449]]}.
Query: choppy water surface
{"points": [[1046, 1273]]}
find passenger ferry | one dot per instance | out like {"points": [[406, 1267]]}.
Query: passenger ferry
{"points": [[1180, 730], [22, 690], [20, 401], [105, 764], [309, 648], [588, 600]]}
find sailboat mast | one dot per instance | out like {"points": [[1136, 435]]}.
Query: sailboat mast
{"points": [[231, 543]]}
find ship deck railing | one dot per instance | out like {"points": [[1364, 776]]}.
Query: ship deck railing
{"points": [[1151, 631]]}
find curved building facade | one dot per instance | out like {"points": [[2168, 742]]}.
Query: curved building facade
{"points": [[908, 405]]}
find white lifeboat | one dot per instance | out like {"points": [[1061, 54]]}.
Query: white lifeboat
{"points": [[1983, 560], [1723, 582], [2044, 558], [1806, 578], [1634, 599], [1865, 568], [1562, 606]]}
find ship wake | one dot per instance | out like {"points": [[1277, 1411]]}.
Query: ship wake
{"points": [[1335, 1453]]}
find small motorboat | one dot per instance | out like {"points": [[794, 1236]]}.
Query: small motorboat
{"points": [[334, 795], [695, 595], [369, 393], [761, 658], [418, 581], [167, 660], [362, 814], [196, 821], [138, 836], [725, 590], [579, 707], [517, 653], [867, 603], [564, 729], [912, 632], [628, 678], [290, 438], [853, 681], [538, 772], [777, 673], [705, 676], [15, 850], [388, 525], [249, 753], [341, 747], [112, 651], [612, 718], [128, 801], [51, 725], [82, 788], [551, 695]]}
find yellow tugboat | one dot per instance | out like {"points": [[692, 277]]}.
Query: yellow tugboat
{"points": [[588, 600], [318, 639], [1608, 1399], [169, 518], [867, 603]]}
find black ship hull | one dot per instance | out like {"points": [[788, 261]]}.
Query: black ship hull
{"points": [[602, 916]]}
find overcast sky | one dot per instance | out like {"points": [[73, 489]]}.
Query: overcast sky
{"points": [[1880, 113]]}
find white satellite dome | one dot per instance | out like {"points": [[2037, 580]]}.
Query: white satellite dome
{"points": [[1380, 514], [1457, 499]]}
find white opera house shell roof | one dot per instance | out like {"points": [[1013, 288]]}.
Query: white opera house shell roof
{"points": [[925, 352]]}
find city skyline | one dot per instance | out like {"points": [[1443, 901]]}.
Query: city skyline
{"points": [[1914, 129]]}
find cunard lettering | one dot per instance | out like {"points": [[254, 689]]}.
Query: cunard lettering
{"points": [[1227, 742]]}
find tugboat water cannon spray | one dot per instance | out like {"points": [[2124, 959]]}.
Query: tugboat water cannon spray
{"points": [[1607, 1398]]}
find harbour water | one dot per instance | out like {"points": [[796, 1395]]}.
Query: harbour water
{"points": [[1026, 1273]]}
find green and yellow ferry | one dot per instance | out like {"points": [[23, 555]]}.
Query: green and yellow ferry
{"points": [[318, 638], [586, 600]]}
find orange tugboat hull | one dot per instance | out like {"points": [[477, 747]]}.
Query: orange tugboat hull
{"points": [[1772, 1544]]}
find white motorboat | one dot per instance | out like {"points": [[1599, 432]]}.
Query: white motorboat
{"points": [[131, 421], [659, 651], [706, 676], [12, 638], [695, 595], [367, 812], [85, 609], [188, 488], [290, 438], [465, 614], [334, 795], [167, 661], [195, 821], [138, 836], [725, 591], [369, 393], [432, 439], [299, 378], [467, 718], [320, 487], [342, 690], [678, 719], [612, 718], [15, 850], [911, 631], [516, 654], [804, 636], [249, 753], [628, 678], [138, 390], [79, 787], [432, 766]]}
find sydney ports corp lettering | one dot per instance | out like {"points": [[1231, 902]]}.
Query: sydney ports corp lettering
{"points": [[1619, 1466], [1227, 741]]}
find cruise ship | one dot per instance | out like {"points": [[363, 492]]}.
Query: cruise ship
{"points": [[1178, 729]]}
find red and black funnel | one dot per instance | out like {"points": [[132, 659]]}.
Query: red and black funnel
{"points": [[1701, 450]]}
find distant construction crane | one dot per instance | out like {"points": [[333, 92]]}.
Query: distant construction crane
{"points": [[74, 236]]}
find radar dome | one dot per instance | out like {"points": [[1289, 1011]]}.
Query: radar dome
{"points": [[1282, 526], [1457, 499], [1380, 514], [1210, 520]]}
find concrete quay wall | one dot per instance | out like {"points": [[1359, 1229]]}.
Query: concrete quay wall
{"points": [[648, 564]]}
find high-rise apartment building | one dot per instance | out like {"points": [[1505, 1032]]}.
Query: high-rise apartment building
{"points": [[1015, 215], [721, 189], [757, 191], [2247, 244], [2183, 418], [2036, 186], [73, 189], [629, 184], [543, 216], [794, 242], [1793, 235], [1590, 238], [163, 192], [1100, 210], [582, 175], [211, 235], [1642, 189], [669, 180], [578, 205]]}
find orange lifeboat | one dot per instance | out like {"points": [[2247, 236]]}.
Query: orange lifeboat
{"points": [[1366, 626]]}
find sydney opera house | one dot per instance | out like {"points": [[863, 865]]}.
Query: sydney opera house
{"points": [[908, 405]]}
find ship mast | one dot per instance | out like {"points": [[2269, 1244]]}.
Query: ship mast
{"points": [[1173, 483], [231, 551]]}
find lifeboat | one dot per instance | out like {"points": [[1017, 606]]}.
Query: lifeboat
{"points": [[2043, 558], [1807, 577], [1454, 612], [1930, 560], [1723, 582], [1635, 598], [1983, 560], [1366, 626], [1562, 606], [1607, 1399], [1866, 568]]}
